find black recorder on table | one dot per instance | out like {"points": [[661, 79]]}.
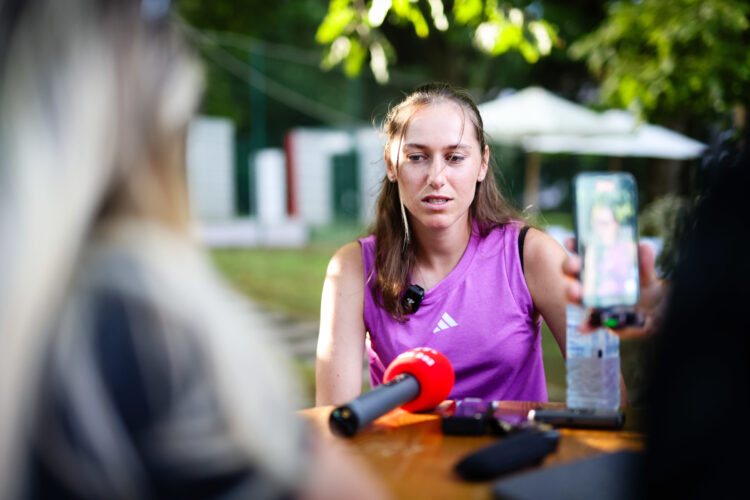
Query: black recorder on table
{"points": [[606, 226]]}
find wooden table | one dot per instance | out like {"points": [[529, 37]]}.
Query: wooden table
{"points": [[415, 460]]}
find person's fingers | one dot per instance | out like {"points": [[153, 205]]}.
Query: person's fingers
{"points": [[646, 264], [652, 296], [574, 292], [586, 327], [636, 331], [572, 266], [570, 244]]}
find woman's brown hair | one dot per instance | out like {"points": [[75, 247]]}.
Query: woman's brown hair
{"points": [[395, 252]]}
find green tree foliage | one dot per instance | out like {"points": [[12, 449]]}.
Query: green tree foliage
{"points": [[261, 60], [667, 58], [355, 31], [251, 45]]}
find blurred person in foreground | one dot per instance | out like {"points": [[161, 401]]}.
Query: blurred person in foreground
{"points": [[699, 401], [127, 368]]}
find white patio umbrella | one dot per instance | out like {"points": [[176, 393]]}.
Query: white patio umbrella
{"points": [[531, 112], [642, 140], [534, 111], [541, 122]]}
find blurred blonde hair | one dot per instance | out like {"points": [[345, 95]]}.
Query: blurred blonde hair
{"points": [[95, 98]]}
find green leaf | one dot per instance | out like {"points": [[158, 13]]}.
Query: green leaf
{"points": [[467, 11], [335, 22], [420, 23], [660, 56], [404, 9], [529, 52], [355, 59]]}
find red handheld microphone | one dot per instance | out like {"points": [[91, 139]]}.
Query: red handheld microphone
{"points": [[418, 379]]}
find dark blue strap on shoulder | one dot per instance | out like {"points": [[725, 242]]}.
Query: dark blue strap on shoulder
{"points": [[521, 238]]}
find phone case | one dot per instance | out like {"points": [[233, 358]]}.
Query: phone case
{"points": [[467, 417], [581, 418], [606, 220]]}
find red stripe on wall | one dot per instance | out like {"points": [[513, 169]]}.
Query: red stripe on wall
{"points": [[291, 177]]}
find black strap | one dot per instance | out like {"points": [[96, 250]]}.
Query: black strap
{"points": [[521, 237]]}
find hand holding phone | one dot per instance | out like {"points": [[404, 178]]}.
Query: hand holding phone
{"points": [[606, 224]]}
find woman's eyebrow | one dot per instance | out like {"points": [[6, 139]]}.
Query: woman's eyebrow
{"points": [[413, 145]]}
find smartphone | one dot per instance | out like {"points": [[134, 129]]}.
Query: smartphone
{"points": [[468, 417], [505, 422], [579, 417], [606, 226]]}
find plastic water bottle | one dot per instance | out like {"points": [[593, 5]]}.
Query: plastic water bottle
{"points": [[593, 365]]}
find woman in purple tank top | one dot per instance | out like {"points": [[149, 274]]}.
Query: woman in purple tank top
{"points": [[442, 224]]}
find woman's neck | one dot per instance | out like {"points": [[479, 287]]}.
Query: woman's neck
{"points": [[438, 252]]}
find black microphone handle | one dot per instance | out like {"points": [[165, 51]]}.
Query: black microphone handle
{"points": [[351, 417]]}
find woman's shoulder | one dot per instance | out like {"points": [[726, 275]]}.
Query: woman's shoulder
{"points": [[498, 237], [516, 229], [367, 243], [541, 251], [524, 243], [347, 259], [500, 229]]}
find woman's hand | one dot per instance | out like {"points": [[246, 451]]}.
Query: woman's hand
{"points": [[652, 297]]}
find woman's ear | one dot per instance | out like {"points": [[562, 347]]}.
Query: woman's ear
{"points": [[390, 171], [485, 164]]}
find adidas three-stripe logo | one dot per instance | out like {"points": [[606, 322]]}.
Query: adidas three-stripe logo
{"points": [[445, 322]]}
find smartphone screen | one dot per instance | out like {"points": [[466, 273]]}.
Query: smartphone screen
{"points": [[606, 219]]}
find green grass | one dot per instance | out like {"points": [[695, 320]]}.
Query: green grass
{"points": [[554, 366], [284, 280]]}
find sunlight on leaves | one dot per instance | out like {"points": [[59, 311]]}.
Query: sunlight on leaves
{"points": [[496, 28]]}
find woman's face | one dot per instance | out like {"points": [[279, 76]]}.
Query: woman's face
{"points": [[604, 225], [438, 165]]}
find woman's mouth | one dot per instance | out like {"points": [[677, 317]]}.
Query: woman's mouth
{"points": [[435, 200]]}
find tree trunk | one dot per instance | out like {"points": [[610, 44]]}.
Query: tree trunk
{"points": [[531, 184]]}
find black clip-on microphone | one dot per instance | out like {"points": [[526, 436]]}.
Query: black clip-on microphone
{"points": [[412, 298]]}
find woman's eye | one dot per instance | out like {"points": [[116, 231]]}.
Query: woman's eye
{"points": [[455, 158], [415, 157]]}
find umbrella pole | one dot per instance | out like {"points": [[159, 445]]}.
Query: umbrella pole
{"points": [[531, 185], [615, 163]]}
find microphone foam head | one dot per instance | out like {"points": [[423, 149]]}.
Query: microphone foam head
{"points": [[432, 370]]}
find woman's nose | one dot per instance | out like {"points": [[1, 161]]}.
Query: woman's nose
{"points": [[437, 172]]}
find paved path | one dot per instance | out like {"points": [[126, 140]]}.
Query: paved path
{"points": [[298, 337], [299, 340]]}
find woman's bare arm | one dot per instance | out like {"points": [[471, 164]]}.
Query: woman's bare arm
{"points": [[543, 259], [338, 368]]}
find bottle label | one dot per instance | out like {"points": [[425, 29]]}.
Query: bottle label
{"points": [[600, 343], [593, 365]]}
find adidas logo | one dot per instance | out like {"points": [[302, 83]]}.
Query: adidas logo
{"points": [[445, 322]]}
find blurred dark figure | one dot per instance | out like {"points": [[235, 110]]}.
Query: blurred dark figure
{"points": [[127, 368], [698, 442]]}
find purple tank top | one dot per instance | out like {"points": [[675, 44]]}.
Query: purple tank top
{"points": [[480, 317]]}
